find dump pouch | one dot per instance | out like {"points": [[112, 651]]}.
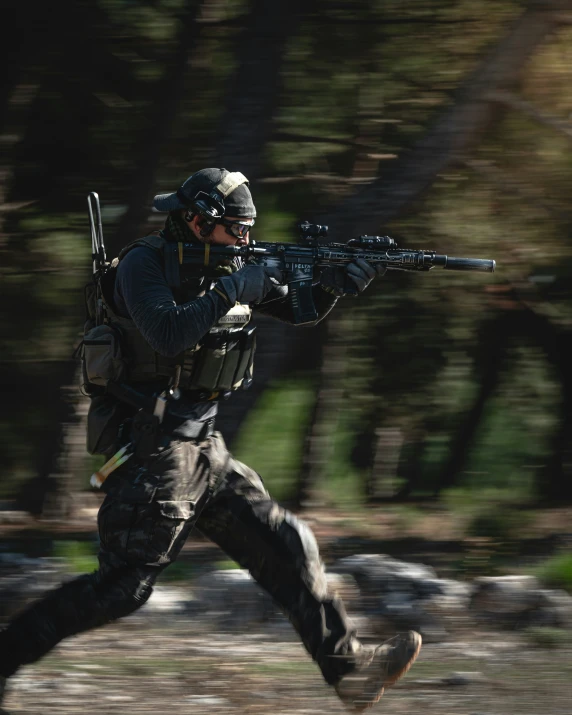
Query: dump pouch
{"points": [[231, 360], [243, 375], [104, 419], [102, 356]]}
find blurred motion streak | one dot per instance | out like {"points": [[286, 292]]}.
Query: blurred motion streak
{"points": [[445, 124]]}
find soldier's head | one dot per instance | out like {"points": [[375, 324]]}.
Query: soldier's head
{"points": [[216, 204]]}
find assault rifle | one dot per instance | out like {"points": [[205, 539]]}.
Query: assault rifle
{"points": [[298, 261]]}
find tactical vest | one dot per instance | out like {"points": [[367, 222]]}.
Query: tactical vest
{"points": [[220, 362]]}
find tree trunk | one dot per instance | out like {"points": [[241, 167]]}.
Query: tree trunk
{"points": [[254, 90], [15, 48], [163, 106], [64, 483], [450, 137], [247, 121], [554, 480], [410, 467], [489, 364], [453, 133], [328, 399], [380, 483], [62, 111]]}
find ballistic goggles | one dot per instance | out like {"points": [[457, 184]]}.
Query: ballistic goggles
{"points": [[235, 228]]}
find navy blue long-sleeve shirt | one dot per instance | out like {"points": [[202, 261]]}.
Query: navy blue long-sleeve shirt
{"points": [[142, 294]]}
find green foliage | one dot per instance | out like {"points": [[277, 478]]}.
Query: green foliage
{"points": [[227, 565], [179, 571], [379, 74], [556, 572], [548, 638], [342, 484], [78, 556], [271, 437], [499, 523]]}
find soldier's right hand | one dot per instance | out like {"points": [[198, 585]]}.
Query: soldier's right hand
{"points": [[250, 284]]}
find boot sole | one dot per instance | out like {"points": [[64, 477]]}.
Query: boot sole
{"points": [[379, 685]]}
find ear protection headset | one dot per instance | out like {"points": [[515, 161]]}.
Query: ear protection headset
{"points": [[210, 206]]}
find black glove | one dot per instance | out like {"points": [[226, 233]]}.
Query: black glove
{"points": [[334, 279], [250, 284]]}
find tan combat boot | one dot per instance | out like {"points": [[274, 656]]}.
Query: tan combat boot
{"points": [[380, 669]]}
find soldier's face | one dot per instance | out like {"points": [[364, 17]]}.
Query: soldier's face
{"points": [[232, 231], [220, 235]]}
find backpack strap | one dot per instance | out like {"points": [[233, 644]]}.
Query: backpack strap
{"points": [[169, 251], [154, 241]]}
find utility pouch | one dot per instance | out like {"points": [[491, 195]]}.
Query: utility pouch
{"points": [[230, 364], [224, 361], [145, 434], [209, 362], [104, 419], [243, 375], [102, 356]]}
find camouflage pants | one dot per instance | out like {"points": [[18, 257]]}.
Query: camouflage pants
{"points": [[149, 511]]}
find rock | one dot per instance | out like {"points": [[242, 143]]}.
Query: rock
{"points": [[519, 602], [453, 594], [344, 586], [237, 600], [399, 595], [206, 700], [165, 601], [234, 597], [464, 678], [555, 609], [408, 615], [24, 579], [504, 594], [377, 573], [455, 679]]}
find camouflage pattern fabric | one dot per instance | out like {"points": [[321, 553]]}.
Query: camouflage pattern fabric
{"points": [[150, 509]]}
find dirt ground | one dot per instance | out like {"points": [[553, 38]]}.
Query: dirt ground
{"points": [[174, 666], [172, 669]]}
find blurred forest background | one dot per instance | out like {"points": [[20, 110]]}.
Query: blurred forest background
{"points": [[444, 123]]}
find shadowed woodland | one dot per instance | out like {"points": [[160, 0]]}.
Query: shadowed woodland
{"points": [[445, 124]]}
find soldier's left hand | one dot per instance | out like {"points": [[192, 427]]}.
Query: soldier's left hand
{"points": [[353, 279], [362, 273]]}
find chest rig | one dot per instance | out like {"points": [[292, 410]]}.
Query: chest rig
{"points": [[221, 362]]}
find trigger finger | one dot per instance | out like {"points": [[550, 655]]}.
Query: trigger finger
{"points": [[275, 272]]}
